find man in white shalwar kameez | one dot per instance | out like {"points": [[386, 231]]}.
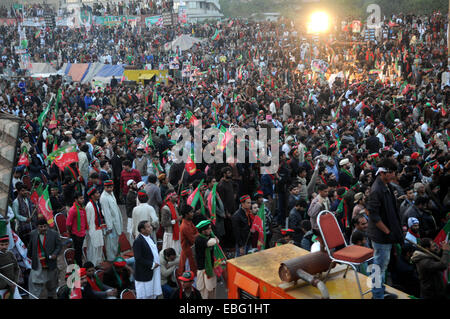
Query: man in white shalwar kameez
{"points": [[113, 220], [170, 220], [149, 289], [144, 211], [96, 221]]}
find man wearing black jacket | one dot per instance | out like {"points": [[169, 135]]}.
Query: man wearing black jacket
{"points": [[384, 224], [146, 262], [242, 223], [373, 144], [116, 165]]}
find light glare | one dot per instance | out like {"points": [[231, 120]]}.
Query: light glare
{"points": [[319, 22]]}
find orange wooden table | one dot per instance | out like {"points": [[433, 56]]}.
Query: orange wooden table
{"points": [[256, 275]]}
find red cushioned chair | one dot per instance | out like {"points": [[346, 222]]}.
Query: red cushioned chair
{"points": [[127, 294], [126, 251], [61, 226], [351, 256]]}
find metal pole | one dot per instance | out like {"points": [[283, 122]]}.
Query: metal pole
{"points": [[15, 284]]}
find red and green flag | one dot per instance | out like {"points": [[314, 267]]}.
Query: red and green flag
{"points": [[37, 34], [191, 118], [216, 35], [46, 207], [161, 103], [212, 203], [219, 259], [259, 225], [53, 122], [64, 156], [195, 197], [35, 194], [24, 159], [224, 138], [190, 165], [441, 237]]}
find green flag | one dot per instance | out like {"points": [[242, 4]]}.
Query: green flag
{"points": [[43, 115]]}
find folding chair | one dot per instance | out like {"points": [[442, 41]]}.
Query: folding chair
{"points": [[60, 221], [127, 294], [350, 255], [69, 256], [126, 251]]}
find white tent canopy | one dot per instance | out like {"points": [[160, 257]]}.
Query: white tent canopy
{"points": [[184, 41]]}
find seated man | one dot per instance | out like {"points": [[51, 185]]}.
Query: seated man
{"points": [[99, 289], [118, 275], [287, 237], [186, 291], [168, 262]]}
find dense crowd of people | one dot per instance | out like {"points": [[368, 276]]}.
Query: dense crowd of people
{"points": [[364, 135]]}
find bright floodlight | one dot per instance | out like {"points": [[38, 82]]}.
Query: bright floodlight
{"points": [[319, 22]]}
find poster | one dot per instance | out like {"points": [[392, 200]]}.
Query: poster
{"points": [[174, 63], [115, 20], [186, 70], [319, 66], [154, 21]]}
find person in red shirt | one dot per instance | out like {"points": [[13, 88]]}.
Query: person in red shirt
{"points": [[127, 174], [77, 225]]}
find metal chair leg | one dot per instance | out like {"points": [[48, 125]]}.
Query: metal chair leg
{"points": [[357, 280], [328, 272]]}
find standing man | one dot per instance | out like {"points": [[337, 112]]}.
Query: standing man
{"points": [[242, 222], [8, 268], [227, 194], [130, 204], [384, 224], [142, 163], [113, 220], [188, 233], [77, 225], [170, 220], [127, 174], [154, 194], [24, 212], [96, 226], [43, 249], [147, 273], [204, 256], [143, 211]]}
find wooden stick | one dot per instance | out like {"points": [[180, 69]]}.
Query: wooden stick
{"points": [[424, 250]]}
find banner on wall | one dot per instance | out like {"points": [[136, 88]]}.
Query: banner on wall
{"points": [[115, 20], [154, 21]]}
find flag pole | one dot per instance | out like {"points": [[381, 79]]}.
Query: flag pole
{"points": [[15, 284]]}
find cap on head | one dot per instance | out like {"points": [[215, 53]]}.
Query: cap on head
{"points": [[244, 198], [108, 182], [203, 225], [92, 191], [187, 276]]}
